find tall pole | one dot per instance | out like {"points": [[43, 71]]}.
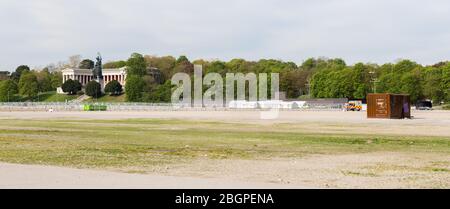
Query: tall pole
{"points": [[374, 81], [308, 84]]}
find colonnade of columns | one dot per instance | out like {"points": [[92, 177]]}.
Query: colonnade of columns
{"points": [[109, 78], [84, 79]]}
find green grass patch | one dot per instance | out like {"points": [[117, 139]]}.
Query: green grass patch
{"points": [[51, 96], [142, 144], [446, 107], [108, 99]]}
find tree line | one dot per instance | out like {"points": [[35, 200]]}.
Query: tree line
{"points": [[314, 78], [26, 83], [333, 79], [149, 77]]}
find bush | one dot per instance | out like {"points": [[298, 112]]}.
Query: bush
{"points": [[446, 107], [8, 89], [114, 88], [86, 64], [71, 87], [93, 89], [134, 88]]}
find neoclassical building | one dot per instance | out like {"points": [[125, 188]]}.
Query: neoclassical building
{"points": [[86, 75]]}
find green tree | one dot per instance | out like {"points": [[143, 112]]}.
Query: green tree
{"points": [[93, 89], [309, 64], [432, 85], [8, 88], [134, 88], [361, 78], [28, 85], [137, 69], [445, 83], [411, 84], [161, 94], [71, 87], [239, 66], [44, 80], [136, 65], [183, 65], [19, 71], [114, 88], [115, 64], [86, 64], [56, 79], [294, 82], [164, 64], [181, 59], [216, 67]]}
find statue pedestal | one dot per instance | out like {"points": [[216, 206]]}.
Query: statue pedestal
{"points": [[102, 84]]}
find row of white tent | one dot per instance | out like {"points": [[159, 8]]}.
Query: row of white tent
{"points": [[279, 104]]}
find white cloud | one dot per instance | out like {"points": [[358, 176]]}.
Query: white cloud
{"points": [[40, 32]]}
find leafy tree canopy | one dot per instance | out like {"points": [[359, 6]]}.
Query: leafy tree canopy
{"points": [[93, 89], [71, 87], [114, 88]]}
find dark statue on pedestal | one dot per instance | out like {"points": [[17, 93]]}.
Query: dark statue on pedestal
{"points": [[98, 74]]}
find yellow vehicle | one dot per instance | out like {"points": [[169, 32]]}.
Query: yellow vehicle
{"points": [[353, 106]]}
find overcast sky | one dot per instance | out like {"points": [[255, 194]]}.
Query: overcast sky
{"points": [[39, 32]]}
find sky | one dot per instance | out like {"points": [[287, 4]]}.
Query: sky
{"points": [[37, 33]]}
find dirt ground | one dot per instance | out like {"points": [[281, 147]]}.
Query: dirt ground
{"points": [[43, 177], [371, 170], [424, 123], [362, 170], [374, 170]]}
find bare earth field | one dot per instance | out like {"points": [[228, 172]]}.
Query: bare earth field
{"points": [[223, 149]]}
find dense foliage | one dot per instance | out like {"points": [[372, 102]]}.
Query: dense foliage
{"points": [[28, 85], [407, 77], [149, 77], [93, 89], [114, 88], [86, 64], [71, 87], [8, 89], [315, 78]]}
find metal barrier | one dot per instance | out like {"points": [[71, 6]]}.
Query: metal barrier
{"points": [[62, 106]]}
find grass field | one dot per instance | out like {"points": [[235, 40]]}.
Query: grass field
{"points": [[108, 99], [305, 149], [51, 96], [148, 145]]}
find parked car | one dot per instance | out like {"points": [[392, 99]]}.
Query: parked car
{"points": [[424, 105]]}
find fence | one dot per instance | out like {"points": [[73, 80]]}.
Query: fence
{"points": [[62, 106]]}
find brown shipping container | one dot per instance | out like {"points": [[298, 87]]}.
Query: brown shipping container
{"points": [[390, 106]]}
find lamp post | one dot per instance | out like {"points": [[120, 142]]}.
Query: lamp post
{"points": [[308, 84], [374, 80]]}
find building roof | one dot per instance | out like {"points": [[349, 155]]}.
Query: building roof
{"points": [[89, 71]]}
